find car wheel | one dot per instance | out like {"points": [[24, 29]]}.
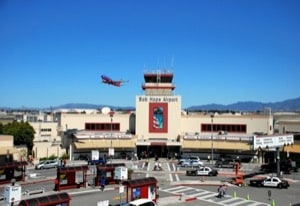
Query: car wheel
{"points": [[42, 168], [279, 186], [210, 174]]}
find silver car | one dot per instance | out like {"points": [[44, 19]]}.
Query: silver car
{"points": [[192, 163], [46, 164]]}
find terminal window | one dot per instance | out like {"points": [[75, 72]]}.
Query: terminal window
{"points": [[240, 128]]}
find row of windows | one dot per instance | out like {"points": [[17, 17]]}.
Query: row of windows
{"points": [[45, 130], [102, 126], [241, 128]]}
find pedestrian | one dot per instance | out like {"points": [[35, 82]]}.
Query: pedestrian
{"points": [[220, 191], [102, 183], [224, 188]]}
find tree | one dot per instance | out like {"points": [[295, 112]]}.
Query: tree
{"points": [[1, 128], [23, 133]]}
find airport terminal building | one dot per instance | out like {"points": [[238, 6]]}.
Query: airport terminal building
{"points": [[159, 127]]}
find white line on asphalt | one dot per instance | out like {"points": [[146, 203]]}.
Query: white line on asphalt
{"points": [[173, 188]]}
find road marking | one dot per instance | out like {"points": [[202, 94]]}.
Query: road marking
{"points": [[208, 196], [200, 193], [205, 195], [183, 189], [173, 188]]}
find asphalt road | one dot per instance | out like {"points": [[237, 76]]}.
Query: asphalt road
{"points": [[175, 188]]}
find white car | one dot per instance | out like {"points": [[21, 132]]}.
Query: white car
{"points": [[192, 163], [141, 202], [202, 171], [46, 164], [190, 158]]}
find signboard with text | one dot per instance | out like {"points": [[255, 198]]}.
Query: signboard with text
{"points": [[272, 141]]}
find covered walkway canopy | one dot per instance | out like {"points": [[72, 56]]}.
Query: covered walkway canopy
{"points": [[104, 143], [295, 148]]}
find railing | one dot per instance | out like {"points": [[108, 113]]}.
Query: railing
{"points": [[219, 137]]}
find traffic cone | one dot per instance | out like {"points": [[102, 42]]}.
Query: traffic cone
{"points": [[234, 194], [273, 203]]}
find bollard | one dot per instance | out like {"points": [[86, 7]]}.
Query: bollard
{"points": [[234, 194], [202, 178], [248, 197], [180, 196], [273, 203]]}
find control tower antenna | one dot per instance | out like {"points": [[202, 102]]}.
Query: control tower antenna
{"points": [[172, 62]]}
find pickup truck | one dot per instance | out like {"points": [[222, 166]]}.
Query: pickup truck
{"points": [[269, 182], [202, 171], [100, 161]]}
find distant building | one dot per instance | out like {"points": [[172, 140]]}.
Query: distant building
{"points": [[157, 127]]}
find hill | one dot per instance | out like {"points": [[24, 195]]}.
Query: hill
{"points": [[290, 105], [286, 106]]}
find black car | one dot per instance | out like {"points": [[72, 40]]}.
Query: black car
{"points": [[228, 163], [285, 166]]}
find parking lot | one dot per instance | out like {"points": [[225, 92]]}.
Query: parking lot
{"points": [[176, 188]]}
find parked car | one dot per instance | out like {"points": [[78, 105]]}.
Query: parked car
{"points": [[225, 163], [192, 163], [186, 159], [285, 166], [83, 157], [100, 161], [202, 171], [46, 164]]}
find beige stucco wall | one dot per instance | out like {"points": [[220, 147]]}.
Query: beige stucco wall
{"points": [[7, 141], [46, 149], [7, 147], [255, 123], [77, 121], [142, 116], [45, 131]]}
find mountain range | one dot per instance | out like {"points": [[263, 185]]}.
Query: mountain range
{"points": [[251, 106], [290, 105]]}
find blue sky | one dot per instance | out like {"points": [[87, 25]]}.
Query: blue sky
{"points": [[53, 52]]}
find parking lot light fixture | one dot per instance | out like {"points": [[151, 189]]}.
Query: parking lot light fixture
{"points": [[212, 138]]}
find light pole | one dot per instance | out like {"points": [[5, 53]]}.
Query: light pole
{"points": [[212, 138], [111, 114]]}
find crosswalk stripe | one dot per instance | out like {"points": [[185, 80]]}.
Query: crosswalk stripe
{"points": [[173, 188], [200, 193], [171, 177], [181, 190], [208, 196], [257, 204]]}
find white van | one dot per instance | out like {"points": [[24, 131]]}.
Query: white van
{"points": [[142, 202]]}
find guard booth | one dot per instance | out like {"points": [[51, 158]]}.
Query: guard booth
{"points": [[12, 170], [62, 199], [141, 188], [71, 177], [106, 173]]}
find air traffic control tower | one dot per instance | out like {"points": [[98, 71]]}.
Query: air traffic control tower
{"points": [[158, 115]]}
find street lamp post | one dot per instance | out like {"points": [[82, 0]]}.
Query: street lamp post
{"points": [[111, 114], [212, 138]]}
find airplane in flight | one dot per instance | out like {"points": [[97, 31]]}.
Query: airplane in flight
{"points": [[108, 80]]}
